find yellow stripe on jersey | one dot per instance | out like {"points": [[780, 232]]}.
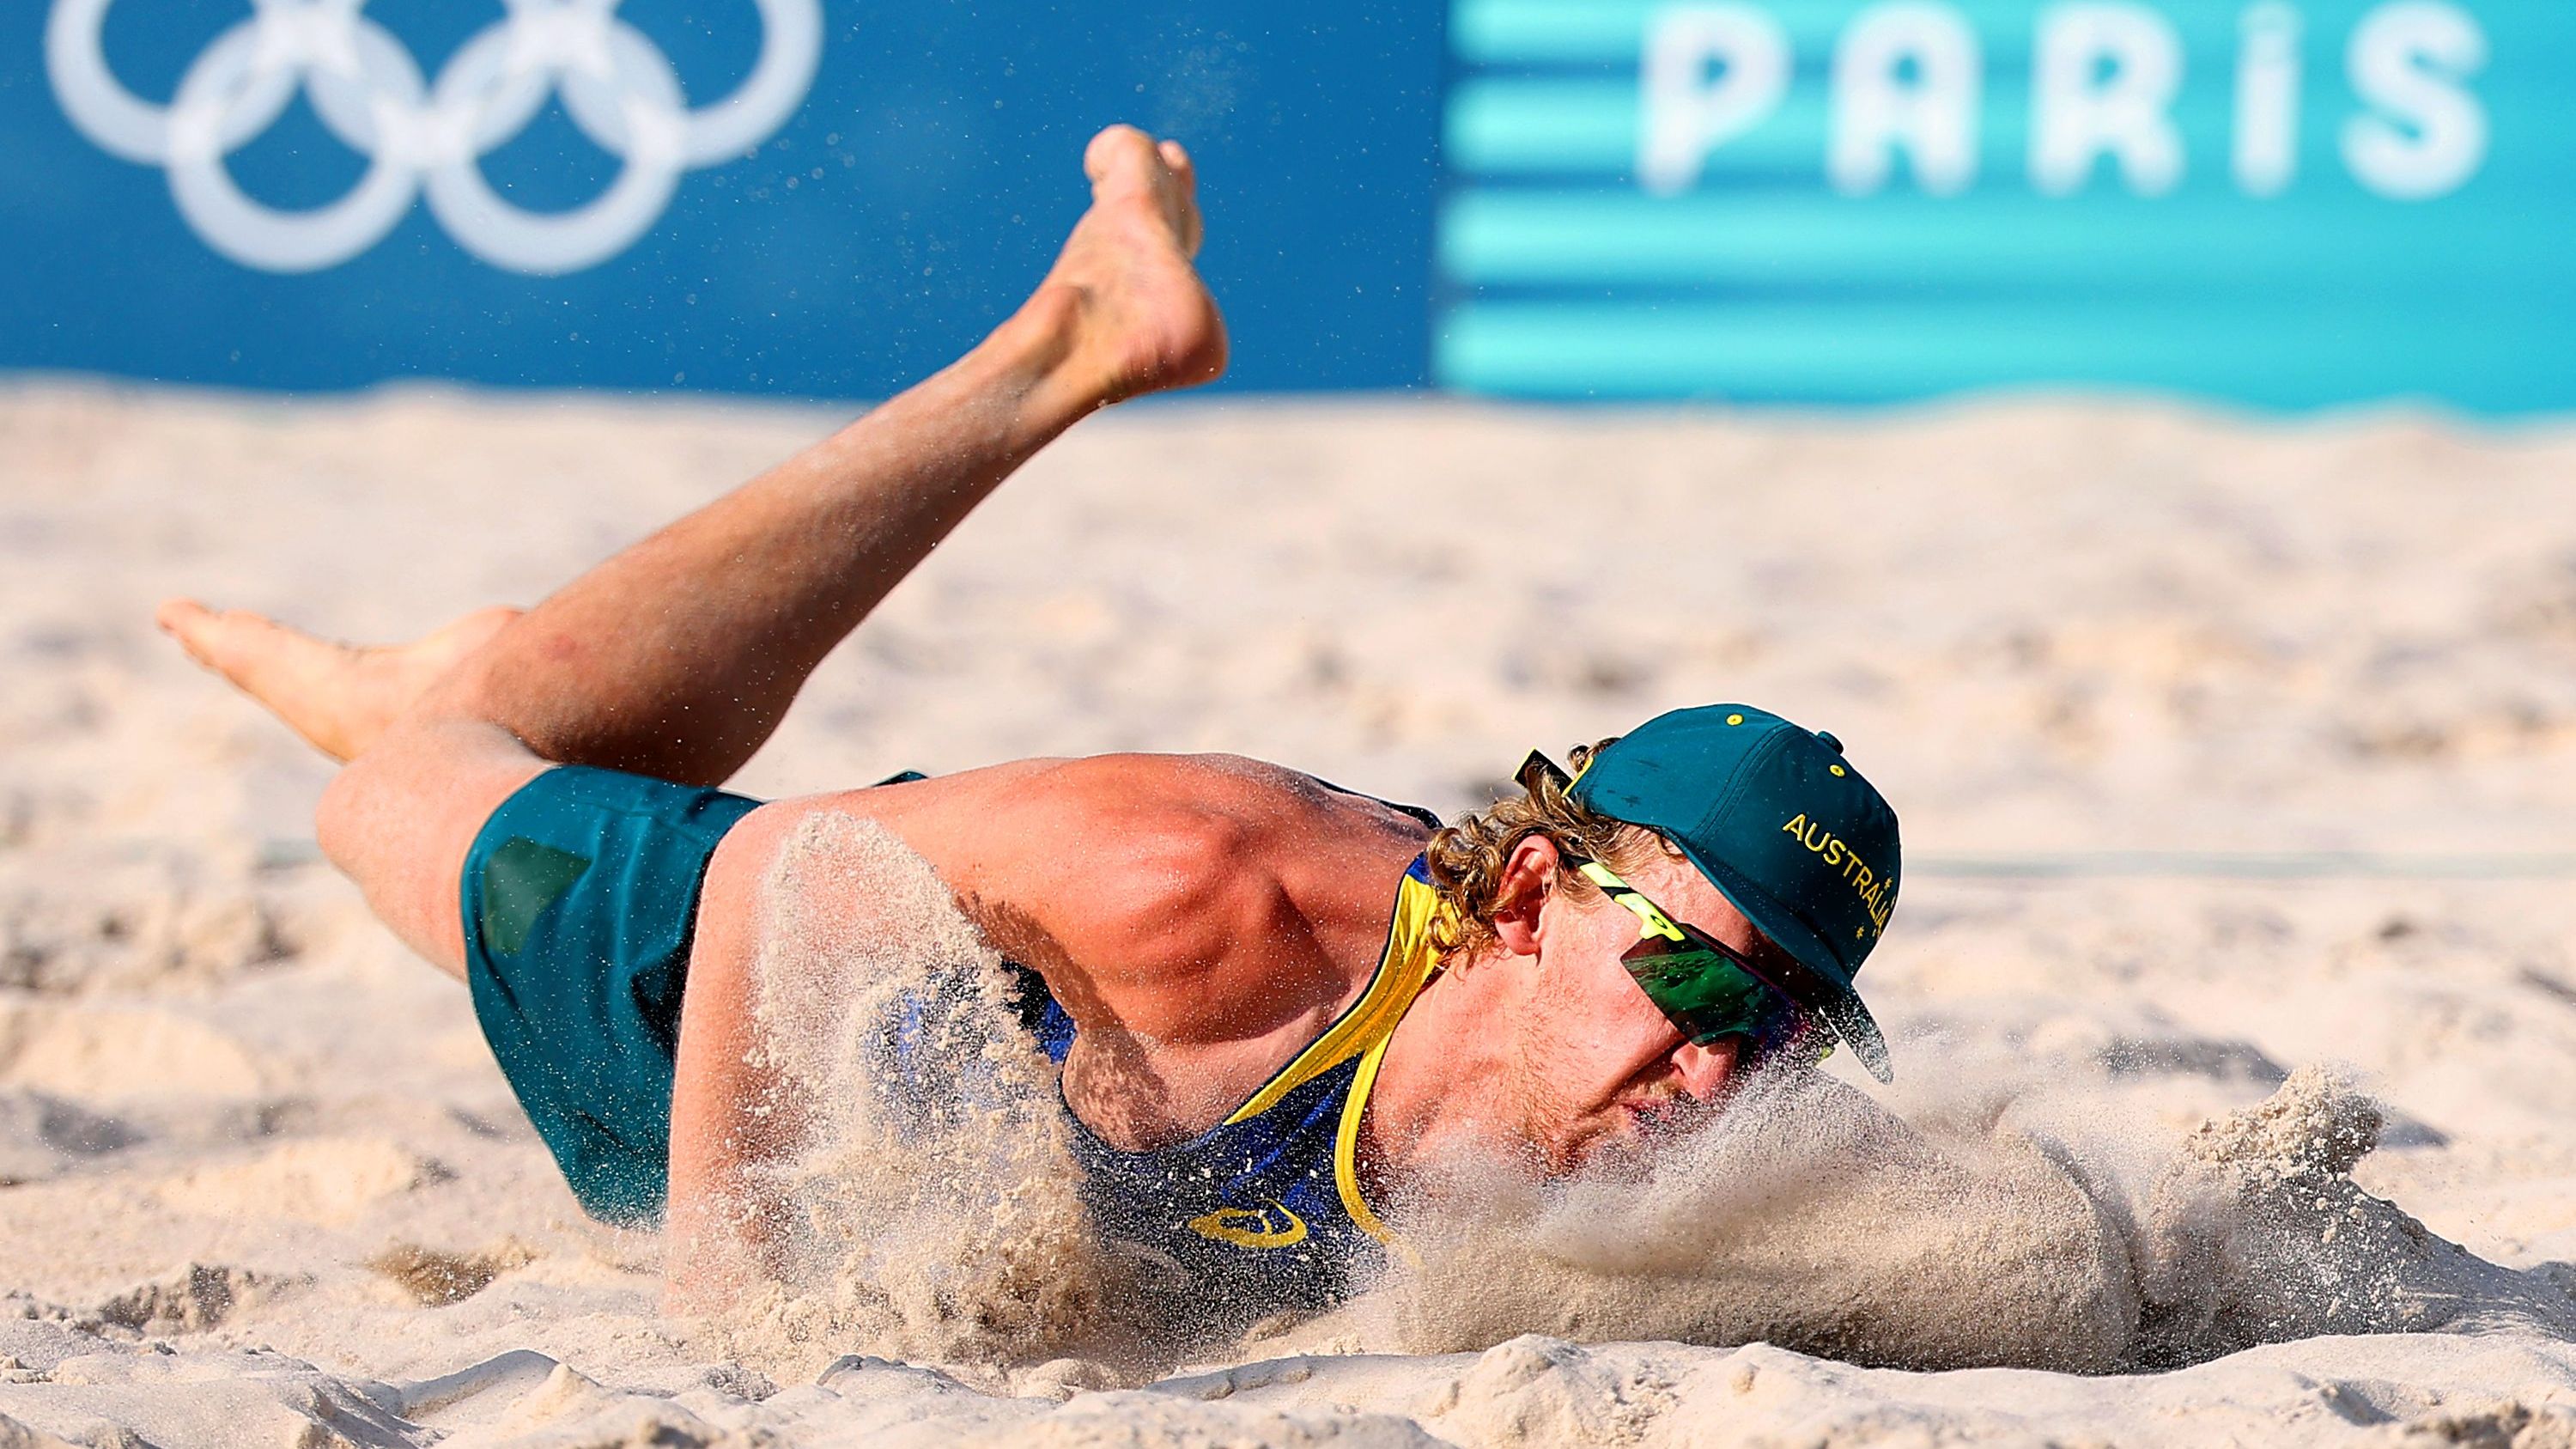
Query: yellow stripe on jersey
{"points": [[1346, 1144], [1402, 971]]}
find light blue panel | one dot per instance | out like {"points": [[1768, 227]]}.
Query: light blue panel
{"points": [[1562, 277], [2292, 354], [1598, 32], [1527, 32], [1560, 127], [1795, 237], [1554, 126]]}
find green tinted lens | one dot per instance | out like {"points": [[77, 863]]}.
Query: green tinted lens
{"points": [[1704, 993], [1697, 985]]}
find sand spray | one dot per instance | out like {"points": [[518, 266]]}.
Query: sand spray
{"points": [[2046, 1228], [935, 1213]]}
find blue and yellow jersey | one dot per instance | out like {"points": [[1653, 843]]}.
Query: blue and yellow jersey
{"points": [[1263, 1212]]}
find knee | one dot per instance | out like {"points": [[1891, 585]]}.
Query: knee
{"points": [[393, 832], [339, 818]]}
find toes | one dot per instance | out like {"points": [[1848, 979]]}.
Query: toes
{"points": [[1118, 152], [230, 641], [1124, 162], [192, 624], [236, 643], [179, 617], [1185, 196]]}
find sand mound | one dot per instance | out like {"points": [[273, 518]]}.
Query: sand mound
{"points": [[42, 1135], [434, 1276], [189, 1299], [125, 926], [121, 1055], [2393, 1390], [2258, 1234], [326, 1180]]}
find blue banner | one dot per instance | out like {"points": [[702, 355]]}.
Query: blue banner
{"points": [[810, 197], [2285, 202]]}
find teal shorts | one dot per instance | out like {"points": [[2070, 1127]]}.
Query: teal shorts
{"points": [[579, 898]]}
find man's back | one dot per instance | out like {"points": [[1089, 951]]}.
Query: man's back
{"points": [[1200, 917]]}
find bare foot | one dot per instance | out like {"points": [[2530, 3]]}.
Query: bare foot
{"points": [[338, 696], [1123, 307]]}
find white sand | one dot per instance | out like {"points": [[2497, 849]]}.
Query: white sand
{"points": [[265, 1186]]}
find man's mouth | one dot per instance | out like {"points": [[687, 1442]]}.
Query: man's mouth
{"points": [[1662, 1112], [1650, 1113]]}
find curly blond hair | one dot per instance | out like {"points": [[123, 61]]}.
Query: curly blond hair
{"points": [[1466, 858]]}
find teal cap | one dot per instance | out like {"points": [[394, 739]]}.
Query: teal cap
{"points": [[1783, 826]]}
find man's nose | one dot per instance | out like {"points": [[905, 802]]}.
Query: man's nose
{"points": [[1705, 1069]]}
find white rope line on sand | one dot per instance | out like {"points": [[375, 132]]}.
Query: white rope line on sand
{"points": [[2247, 865], [288, 853]]}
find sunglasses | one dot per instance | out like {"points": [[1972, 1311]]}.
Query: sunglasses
{"points": [[1704, 987], [1709, 989]]}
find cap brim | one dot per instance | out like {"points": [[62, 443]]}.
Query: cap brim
{"points": [[1817, 981]]}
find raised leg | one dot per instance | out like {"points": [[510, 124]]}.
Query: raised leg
{"points": [[677, 657]]}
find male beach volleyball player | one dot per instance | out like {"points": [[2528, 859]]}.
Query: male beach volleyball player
{"points": [[1275, 1001]]}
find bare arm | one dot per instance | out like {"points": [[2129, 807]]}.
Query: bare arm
{"points": [[729, 1117], [757, 1022]]}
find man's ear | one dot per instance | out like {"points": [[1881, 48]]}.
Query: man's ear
{"points": [[1529, 874]]}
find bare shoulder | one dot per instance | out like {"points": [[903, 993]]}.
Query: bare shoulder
{"points": [[1145, 888]]}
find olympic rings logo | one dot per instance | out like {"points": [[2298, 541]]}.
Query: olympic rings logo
{"points": [[421, 135]]}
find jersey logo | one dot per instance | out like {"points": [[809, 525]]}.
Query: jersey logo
{"points": [[1251, 1227]]}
